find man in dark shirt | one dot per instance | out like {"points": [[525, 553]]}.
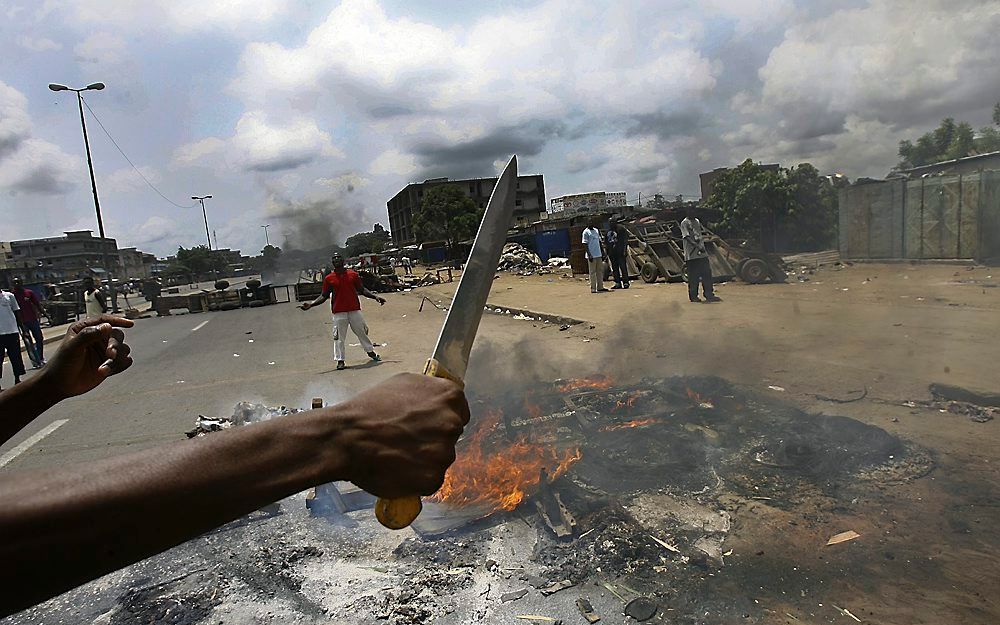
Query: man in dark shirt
{"points": [[31, 315], [617, 240]]}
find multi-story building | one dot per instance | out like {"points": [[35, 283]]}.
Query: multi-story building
{"points": [[529, 201], [6, 255], [135, 263], [55, 259], [593, 202]]}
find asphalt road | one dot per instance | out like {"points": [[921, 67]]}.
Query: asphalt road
{"points": [[187, 365]]}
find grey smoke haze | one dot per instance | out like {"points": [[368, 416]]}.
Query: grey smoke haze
{"points": [[313, 223]]}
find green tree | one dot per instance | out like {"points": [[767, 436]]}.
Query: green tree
{"points": [[752, 201], [949, 141], [269, 257], [367, 242], [811, 223], [446, 214], [200, 259]]}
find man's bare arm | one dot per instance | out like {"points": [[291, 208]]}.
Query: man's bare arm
{"points": [[364, 291], [93, 350], [395, 439], [325, 295]]}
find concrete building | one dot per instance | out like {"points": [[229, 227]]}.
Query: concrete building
{"points": [[55, 259], [596, 201], [6, 255], [135, 263], [528, 204]]}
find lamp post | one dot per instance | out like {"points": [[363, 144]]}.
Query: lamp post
{"points": [[266, 241], [95, 86], [204, 214]]}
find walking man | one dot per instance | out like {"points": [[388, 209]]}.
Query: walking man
{"points": [[10, 334], [93, 299], [344, 285], [696, 259], [595, 256], [617, 245], [407, 265], [31, 314]]}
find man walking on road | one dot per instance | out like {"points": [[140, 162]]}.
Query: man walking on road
{"points": [[344, 285], [696, 259], [93, 299], [31, 314], [10, 334], [595, 257]]}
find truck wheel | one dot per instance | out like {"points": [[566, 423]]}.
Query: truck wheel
{"points": [[253, 284], [754, 271], [649, 273], [222, 285]]}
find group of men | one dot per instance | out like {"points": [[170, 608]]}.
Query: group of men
{"points": [[613, 245]]}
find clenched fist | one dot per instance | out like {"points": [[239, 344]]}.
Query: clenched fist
{"points": [[399, 437]]}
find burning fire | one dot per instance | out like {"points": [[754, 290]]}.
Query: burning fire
{"points": [[503, 476], [629, 424], [628, 403], [698, 399], [597, 382]]}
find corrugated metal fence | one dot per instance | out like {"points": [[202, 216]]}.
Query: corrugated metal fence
{"points": [[934, 217]]}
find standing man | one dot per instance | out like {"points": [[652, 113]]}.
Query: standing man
{"points": [[595, 257], [696, 258], [617, 245], [344, 285], [10, 334], [407, 266], [31, 314], [93, 299]]}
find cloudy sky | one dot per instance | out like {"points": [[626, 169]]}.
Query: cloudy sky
{"points": [[309, 114]]}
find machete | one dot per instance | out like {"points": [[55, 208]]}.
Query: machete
{"points": [[451, 355]]}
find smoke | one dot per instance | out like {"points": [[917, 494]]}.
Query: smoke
{"points": [[318, 221]]}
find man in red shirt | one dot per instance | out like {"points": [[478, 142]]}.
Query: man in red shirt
{"points": [[344, 285], [31, 314]]}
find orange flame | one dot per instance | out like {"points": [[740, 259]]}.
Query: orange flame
{"points": [[629, 424], [501, 477], [628, 403], [597, 382], [698, 399]]}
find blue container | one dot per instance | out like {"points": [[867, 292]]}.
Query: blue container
{"points": [[549, 243]]}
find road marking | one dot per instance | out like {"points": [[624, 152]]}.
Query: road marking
{"points": [[200, 325], [30, 442]]}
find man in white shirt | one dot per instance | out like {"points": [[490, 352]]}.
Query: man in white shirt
{"points": [[10, 334], [696, 259], [595, 257]]}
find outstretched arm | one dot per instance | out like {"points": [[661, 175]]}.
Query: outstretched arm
{"points": [[393, 440], [364, 291], [93, 350], [325, 295]]}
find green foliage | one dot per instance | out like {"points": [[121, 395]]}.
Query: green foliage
{"points": [[200, 259], [950, 141], [784, 209], [447, 214], [367, 242], [269, 257]]}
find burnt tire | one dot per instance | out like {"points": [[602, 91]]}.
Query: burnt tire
{"points": [[648, 272], [253, 284], [229, 306], [222, 285], [754, 271], [255, 303]]}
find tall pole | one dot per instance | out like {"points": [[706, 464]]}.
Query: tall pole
{"points": [[90, 165], [204, 215], [266, 240]]}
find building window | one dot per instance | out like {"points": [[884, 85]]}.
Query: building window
{"points": [[518, 202]]}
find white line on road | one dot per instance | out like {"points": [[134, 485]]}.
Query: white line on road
{"points": [[30, 442], [200, 325]]}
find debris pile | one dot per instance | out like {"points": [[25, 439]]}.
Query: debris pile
{"points": [[243, 414], [519, 260]]}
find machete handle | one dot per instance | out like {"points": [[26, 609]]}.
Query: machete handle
{"points": [[399, 512]]}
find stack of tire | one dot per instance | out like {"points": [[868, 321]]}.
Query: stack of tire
{"points": [[255, 299]]}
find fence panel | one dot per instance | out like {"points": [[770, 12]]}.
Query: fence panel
{"points": [[968, 225], [913, 228]]}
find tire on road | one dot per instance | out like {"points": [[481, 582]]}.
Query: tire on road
{"points": [[648, 272], [754, 271], [255, 303], [229, 306], [222, 285], [253, 284]]}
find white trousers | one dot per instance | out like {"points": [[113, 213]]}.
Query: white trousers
{"points": [[596, 274], [356, 321]]}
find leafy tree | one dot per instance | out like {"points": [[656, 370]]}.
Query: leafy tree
{"points": [[200, 259], [950, 141], [367, 242], [269, 257], [446, 214], [783, 209]]}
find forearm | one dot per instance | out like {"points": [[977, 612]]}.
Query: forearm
{"points": [[22, 403], [96, 518], [319, 300]]}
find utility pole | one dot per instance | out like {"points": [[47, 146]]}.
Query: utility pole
{"points": [[266, 240], [96, 86], [204, 214]]}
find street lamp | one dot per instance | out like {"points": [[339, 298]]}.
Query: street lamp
{"points": [[266, 241], [94, 86], [205, 215]]}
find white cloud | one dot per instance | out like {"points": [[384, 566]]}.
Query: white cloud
{"points": [[348, 182], [155, 229], [198, 151], [126, 180], [179, 15], [262, 146], [38, 44], [393, 162], [101, 48], [28, 164]]}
